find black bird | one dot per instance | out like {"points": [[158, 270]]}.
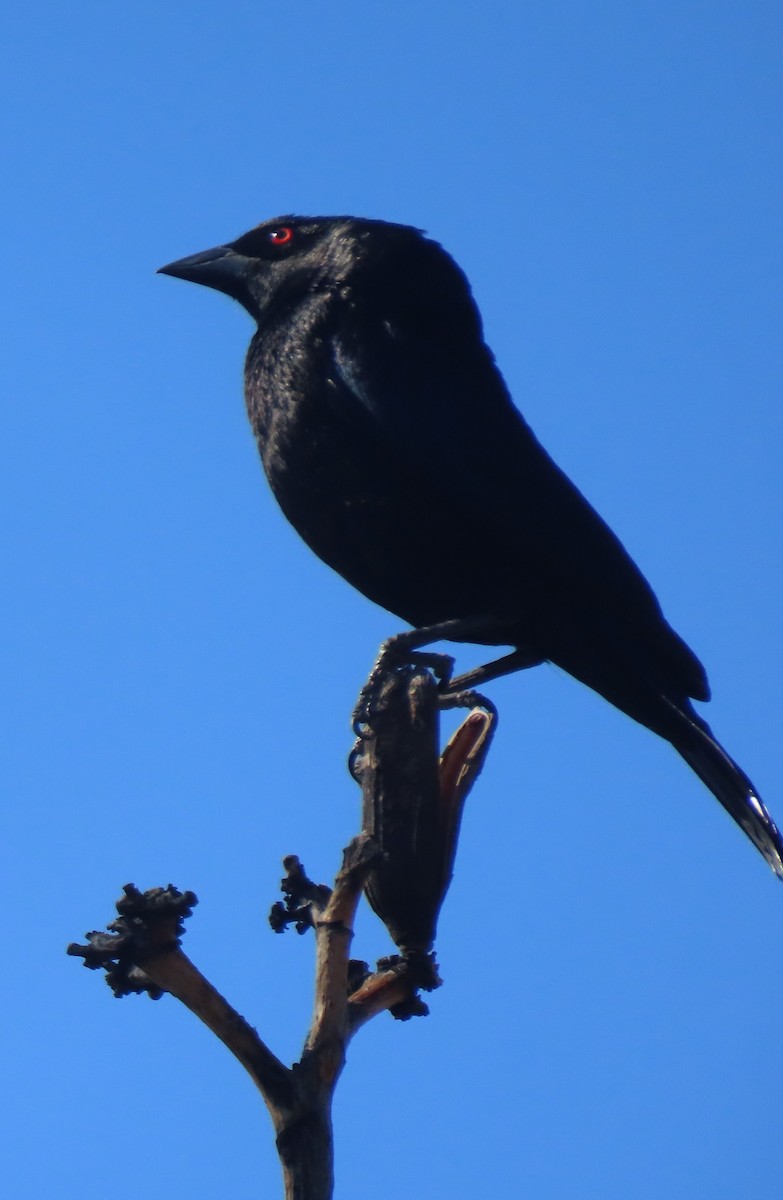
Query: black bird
{"points": [[392, 445]]}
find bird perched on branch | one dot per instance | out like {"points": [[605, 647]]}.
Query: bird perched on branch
{"points": [[392, 445]]}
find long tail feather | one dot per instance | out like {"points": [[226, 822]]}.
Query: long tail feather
{"points": [[730, 785]]}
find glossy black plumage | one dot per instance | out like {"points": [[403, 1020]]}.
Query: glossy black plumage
{"points": [[392, 445]]}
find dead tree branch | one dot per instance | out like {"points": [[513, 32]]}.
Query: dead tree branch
{"points": [[412, 801]]}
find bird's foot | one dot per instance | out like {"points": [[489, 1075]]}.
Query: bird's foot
{"points": [[397, 653], [466, 698]]}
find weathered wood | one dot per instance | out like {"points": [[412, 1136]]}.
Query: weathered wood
{"points": [[412, 803]]}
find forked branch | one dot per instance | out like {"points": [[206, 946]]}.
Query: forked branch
{"points": [[412, 801]]}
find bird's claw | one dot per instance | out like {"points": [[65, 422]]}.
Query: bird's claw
{"points": [[467, 698], [396, 653]]}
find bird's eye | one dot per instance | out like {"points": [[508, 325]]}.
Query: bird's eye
{"points": [[281, 236]]}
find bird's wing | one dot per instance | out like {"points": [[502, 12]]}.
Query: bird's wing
{"points": [[443, 407]]}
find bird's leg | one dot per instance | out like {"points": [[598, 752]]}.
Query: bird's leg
{"points": [[517, 660], [460, 692]]}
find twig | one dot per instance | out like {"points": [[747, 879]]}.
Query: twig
{"points": [[412, 803]]}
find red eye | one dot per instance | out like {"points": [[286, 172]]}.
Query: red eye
{"points": [[281, 236]]}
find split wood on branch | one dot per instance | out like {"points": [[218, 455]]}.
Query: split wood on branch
{"points": [[412, 804]]}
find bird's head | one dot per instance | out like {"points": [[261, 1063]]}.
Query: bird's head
{"points": [[289, 258]]}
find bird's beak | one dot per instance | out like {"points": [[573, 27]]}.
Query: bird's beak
{"points": [[220, 268]]}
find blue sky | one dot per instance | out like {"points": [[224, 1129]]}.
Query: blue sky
{"points": [[179, 670]]}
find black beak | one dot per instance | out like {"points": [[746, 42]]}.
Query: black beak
{"points": [[220, 268]]}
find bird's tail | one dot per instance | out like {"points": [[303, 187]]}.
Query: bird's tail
{"points": [[727, 781], [636, 674]]}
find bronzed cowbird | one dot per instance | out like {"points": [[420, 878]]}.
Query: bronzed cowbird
{"points": [[391, 443]]}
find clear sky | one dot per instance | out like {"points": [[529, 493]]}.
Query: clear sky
{"points": [[179, 670]]}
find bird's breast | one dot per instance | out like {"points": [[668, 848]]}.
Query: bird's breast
{"points": [[354, 497]]}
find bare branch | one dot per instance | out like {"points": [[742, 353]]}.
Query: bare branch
{"points": [[334, 934], [403, 859]]}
